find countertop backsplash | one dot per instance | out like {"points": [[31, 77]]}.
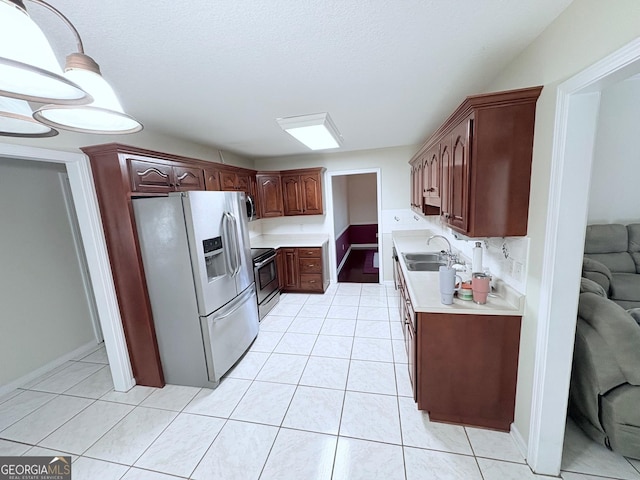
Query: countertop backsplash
{"points": [[506, 258]]}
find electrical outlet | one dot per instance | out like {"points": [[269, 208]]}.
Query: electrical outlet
{"points": [[517, 271]]}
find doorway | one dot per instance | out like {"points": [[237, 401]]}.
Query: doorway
{"points": [[354, 198], [577, 110], [86, 206]]}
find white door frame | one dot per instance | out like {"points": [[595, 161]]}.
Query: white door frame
{"points": [[332, 236], [577, 106], [80, 255], [87, 211]]}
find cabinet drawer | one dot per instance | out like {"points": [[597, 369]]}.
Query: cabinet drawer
{"points": [[310, 265], [311, 282], [309, 252]]}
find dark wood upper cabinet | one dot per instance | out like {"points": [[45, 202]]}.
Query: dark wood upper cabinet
{"points": [[459, 176], [291, 192], [212, 179], [234, 181], [152, 177], [312, 193], [485, 152], [302, 192], [292, 195], [188, 178], [269, 195]]}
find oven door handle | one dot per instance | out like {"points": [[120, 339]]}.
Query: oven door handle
{"points": [[264, 262]]}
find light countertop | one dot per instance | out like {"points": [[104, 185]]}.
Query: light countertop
{"points": [[424, 290], [295, 240]]}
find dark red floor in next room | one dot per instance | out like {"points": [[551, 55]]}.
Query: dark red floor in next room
{"points": [[359, 267]]}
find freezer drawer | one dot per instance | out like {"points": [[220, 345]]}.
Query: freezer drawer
{"points": [[228, 332]]}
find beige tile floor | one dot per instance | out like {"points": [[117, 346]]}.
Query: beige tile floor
{"points": [[323, 393]]}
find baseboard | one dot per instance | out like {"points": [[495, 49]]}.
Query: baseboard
{"points": [[344, 260], [517, 438], [19, 382], [357, 246]]}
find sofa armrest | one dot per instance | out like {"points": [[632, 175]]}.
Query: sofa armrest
{"points": [[598, 272], [595, 372]]}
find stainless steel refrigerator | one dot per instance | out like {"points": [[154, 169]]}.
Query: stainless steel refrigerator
{"points": [[197, 263]]}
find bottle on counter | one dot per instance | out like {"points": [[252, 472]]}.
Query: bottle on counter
{"points": [[476, 262]]}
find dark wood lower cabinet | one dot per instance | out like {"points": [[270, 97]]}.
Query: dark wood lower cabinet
{"points": [[463, 368], [467, 368], [301, 270]]}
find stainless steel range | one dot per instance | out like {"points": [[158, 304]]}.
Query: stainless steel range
{"points": [[266, 277]]}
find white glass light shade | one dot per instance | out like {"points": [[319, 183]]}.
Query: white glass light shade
{"points": [[316, 131], [16, 120], [28, 67], [103, 115]]}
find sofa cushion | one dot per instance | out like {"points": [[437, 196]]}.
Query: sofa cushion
{"points": [[634, 243], [592, 286], [617, 328], [607, 238], [625, 286], [621, 262]]}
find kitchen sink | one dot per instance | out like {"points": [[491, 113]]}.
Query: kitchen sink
{"points": [[424, 257], [424, 266], [424, 261]]}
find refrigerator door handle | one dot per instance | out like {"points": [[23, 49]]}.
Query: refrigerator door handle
{"points": [[229, 242], [238, 301], [237, 246]]}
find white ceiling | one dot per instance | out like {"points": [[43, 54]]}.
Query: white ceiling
{"points": [[220, 72]]}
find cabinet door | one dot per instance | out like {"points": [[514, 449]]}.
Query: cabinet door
{"points": [[291, 271], [270, 196], [459, 171], [188, 178], [445, 186], [280, 267], [292, 195], [228, 180], [212, 180], [243, 182], [149, 177], [311, 193], [410, 344]]}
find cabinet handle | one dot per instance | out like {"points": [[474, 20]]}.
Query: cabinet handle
{"points": [[311, 265], [312, 281], [431, 189]]}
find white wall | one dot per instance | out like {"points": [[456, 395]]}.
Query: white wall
{"points": [[161, 142], [585, 32], [613, 196], [44, 311], [340, 204], [363, 199]]}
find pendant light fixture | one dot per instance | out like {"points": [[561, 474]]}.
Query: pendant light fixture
{"points": [[16, 120], [28, 67], [96, 111]]}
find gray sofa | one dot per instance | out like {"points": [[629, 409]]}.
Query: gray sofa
{"points": [[604, 397], [612, 259]]}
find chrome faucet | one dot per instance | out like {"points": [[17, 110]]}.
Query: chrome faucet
{"points": [[451, 257], [449, 252]]}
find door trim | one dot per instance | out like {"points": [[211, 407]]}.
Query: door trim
{"points": [[88, 213], [82, 258], [328, 180], [574, 132]]}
